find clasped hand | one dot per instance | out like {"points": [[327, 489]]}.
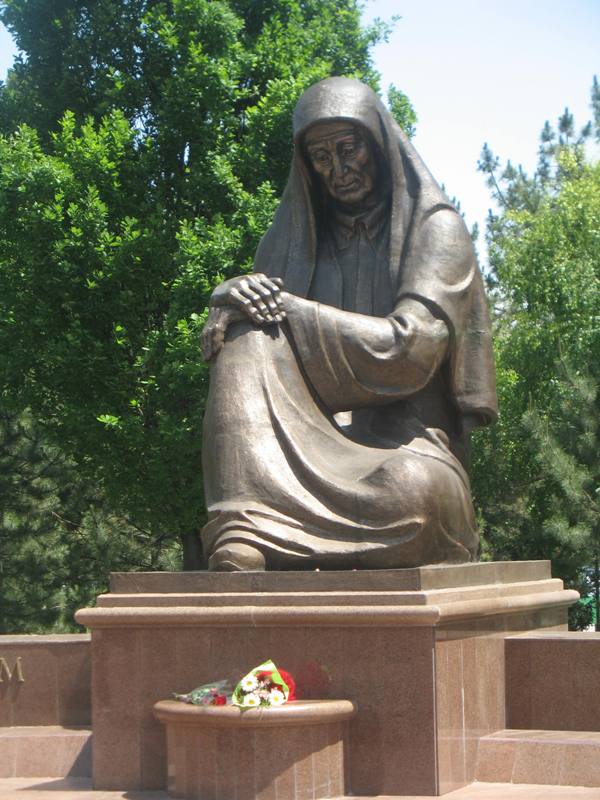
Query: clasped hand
{"points": [[253, 296]]}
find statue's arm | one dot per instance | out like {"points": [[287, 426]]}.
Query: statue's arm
{"points": [[357, 361], [253, 296]]}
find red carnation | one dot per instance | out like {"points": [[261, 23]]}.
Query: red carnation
{"points": [[220, 700], [291, 683]]}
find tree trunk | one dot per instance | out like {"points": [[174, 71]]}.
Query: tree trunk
{"points": [[192, 552]]}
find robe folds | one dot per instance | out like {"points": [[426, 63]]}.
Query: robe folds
{"points": [[339, 438]]}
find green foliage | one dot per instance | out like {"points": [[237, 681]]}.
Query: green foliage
{"points": [[143, 147], [57, 542], [536, 472], [402, 111]]}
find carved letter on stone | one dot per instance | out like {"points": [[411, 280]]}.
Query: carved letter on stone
{"points": [[16, 670]]}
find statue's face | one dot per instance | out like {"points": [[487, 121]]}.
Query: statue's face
{"points": [[343, 160]]}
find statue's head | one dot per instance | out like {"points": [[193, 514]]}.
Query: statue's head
{"points": [[342, 157], [338, 131]]}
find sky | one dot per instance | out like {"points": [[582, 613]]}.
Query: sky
{"points": [[480, 71], [488, 71]]}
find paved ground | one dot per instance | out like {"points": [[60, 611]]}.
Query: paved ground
{"points": [[80, 789], [65, 789]]}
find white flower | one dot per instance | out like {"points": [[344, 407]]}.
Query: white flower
{"points": [[249, 683], [276, 698], [251, 700]]}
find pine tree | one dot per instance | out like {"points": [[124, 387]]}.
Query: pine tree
{"points": [[565, 441], [531, 472], [57, 541]]}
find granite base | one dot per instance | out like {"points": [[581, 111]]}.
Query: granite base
{"points": [[420, 652], [296, 751]]}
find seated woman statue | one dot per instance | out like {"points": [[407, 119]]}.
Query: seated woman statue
{"points": [[349, 368]]}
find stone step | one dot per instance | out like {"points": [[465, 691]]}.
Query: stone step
{"points": [[551, 679], [48, 751], [559, 758]]}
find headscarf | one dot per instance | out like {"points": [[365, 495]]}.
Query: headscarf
{"points": [[431, 256]]}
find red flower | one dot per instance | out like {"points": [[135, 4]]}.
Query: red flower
{"points": [[220, 700], [291, 683]]}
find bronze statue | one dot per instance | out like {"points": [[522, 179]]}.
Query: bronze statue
{"points": [[349, 369]]}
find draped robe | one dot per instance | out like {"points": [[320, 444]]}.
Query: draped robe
{"points": [[339, 437]]}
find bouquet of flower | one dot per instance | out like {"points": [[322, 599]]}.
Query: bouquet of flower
{"points": [[209, 694], [264, 686]]}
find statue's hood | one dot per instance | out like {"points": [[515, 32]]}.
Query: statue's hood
{"points": [[431, 256], [340, 99]]}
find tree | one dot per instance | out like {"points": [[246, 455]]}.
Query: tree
{"points": [[145, 145], [534, 470], [57, 543]]}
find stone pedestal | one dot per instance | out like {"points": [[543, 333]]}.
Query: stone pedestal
{"points": [[295, 751], [45, 706], [45, 680], [420, 652]]}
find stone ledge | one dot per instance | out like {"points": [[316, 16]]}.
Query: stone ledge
{"points": [[333, 598], [322, 616], [54, 639], [435, 576], [297, 712], [568, 636], [563, 758]]}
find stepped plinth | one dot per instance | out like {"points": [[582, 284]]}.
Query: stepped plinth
{"points": [[420, 652]]}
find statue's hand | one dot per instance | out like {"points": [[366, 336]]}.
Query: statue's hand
{"points": [[213, 333], [255, 294]]}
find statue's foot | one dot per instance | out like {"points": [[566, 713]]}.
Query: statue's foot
{"points": [[236, 557]]}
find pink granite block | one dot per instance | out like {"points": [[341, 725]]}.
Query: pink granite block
{"points": [[34, 702], [74, 683], [45, 751], [389, 673], [235, 755], [304, 771], [158, 654], [246, 764], [335, 751], [51, 685], [534, 762], [321, 763], [561, 666], [8, 756], [117, 747], [378, 648], [190, 660], [450, 714], [580, 762], [199, 769], [495, 761], [283, 745]]}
